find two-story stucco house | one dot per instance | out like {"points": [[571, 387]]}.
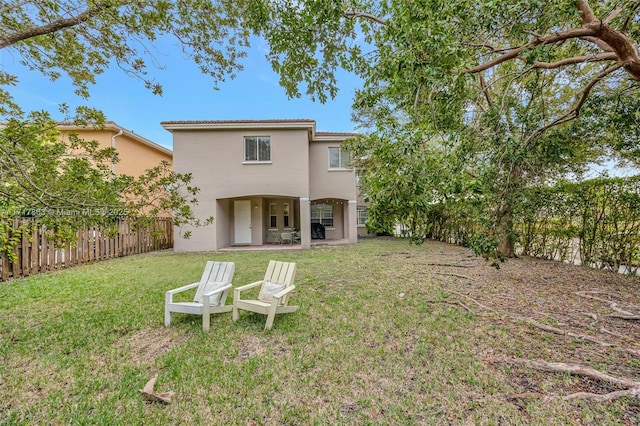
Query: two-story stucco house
{"points": [[258, 178]]}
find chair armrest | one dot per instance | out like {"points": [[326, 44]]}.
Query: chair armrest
{"points": [[183, 288], [247, 286], [282, 293], [237, 290], [206, 298], [218, 290]]}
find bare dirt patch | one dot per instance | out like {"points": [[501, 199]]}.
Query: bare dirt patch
{"points": [[149, 343], [558, 313], [256, 346]]}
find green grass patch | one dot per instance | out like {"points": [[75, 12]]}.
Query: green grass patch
{"points": [[76, 345]]}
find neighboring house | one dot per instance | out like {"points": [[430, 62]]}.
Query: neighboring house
{"points": [[135, 153], [259, 178]]}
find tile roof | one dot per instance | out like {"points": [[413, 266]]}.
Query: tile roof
{"points": [[113, 126], [336, 134], [269, 121]]}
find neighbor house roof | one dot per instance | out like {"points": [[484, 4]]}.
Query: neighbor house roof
{"points": [[111, 125]]}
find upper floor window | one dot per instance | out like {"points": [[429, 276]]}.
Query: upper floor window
{"points": [[257, 149], [338, 158]]}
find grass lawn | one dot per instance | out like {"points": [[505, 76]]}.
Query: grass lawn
{"points": [[377, 340]]}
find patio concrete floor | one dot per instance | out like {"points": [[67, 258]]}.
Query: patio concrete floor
{"points": [[278, 247]]}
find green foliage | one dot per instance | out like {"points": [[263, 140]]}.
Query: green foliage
{"points": [[448, 119], [9, 238], [97, 35], [486, 246], [69, 184], [400, 173], [596, 222], [487, 134], [309, 43]]}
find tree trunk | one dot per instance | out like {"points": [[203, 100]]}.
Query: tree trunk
{"points": [[504, 215], [504, 230]]}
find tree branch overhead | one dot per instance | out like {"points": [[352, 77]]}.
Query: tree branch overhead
{"points": [[52, 27], [616, 45]]}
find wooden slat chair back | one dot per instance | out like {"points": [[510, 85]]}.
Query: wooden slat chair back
{"points": [[210, 297], [215, 275], [280, 273], [275, 290]]}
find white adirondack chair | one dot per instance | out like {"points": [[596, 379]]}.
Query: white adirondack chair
{"points": [[274, 293], [210, 297]]}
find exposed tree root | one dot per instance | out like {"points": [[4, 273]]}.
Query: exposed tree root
{"points": [[555, 330], [606, 397], [594, 317], [584, 337], [454, 275], [472, 299], [632, 388], [626, 317], [611, 333], [613, 305], [451, 265], [500, 296]]}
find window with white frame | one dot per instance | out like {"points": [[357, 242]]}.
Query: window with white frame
{"points": [[285, 214], [338, 158], [257, 149], [273, 216], [322, 213], [362, 215]]}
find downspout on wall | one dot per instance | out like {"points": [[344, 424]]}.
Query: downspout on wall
{"points": [[113, 145]]}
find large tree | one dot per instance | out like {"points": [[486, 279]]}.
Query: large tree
{"points": [[521, 91]]}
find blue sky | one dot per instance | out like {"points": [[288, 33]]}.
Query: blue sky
{"points": [[188, 95]]}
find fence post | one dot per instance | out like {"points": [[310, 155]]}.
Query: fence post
{"points": [[24, 252], [4, 260], [15, 267], [35, 249]]}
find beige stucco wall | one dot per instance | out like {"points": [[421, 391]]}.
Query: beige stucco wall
{"points": [[222, 220], [135, 157], [215, 159], [325, 183]]}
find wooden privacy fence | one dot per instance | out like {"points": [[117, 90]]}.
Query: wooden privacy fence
{"points": [[36, 253]]}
